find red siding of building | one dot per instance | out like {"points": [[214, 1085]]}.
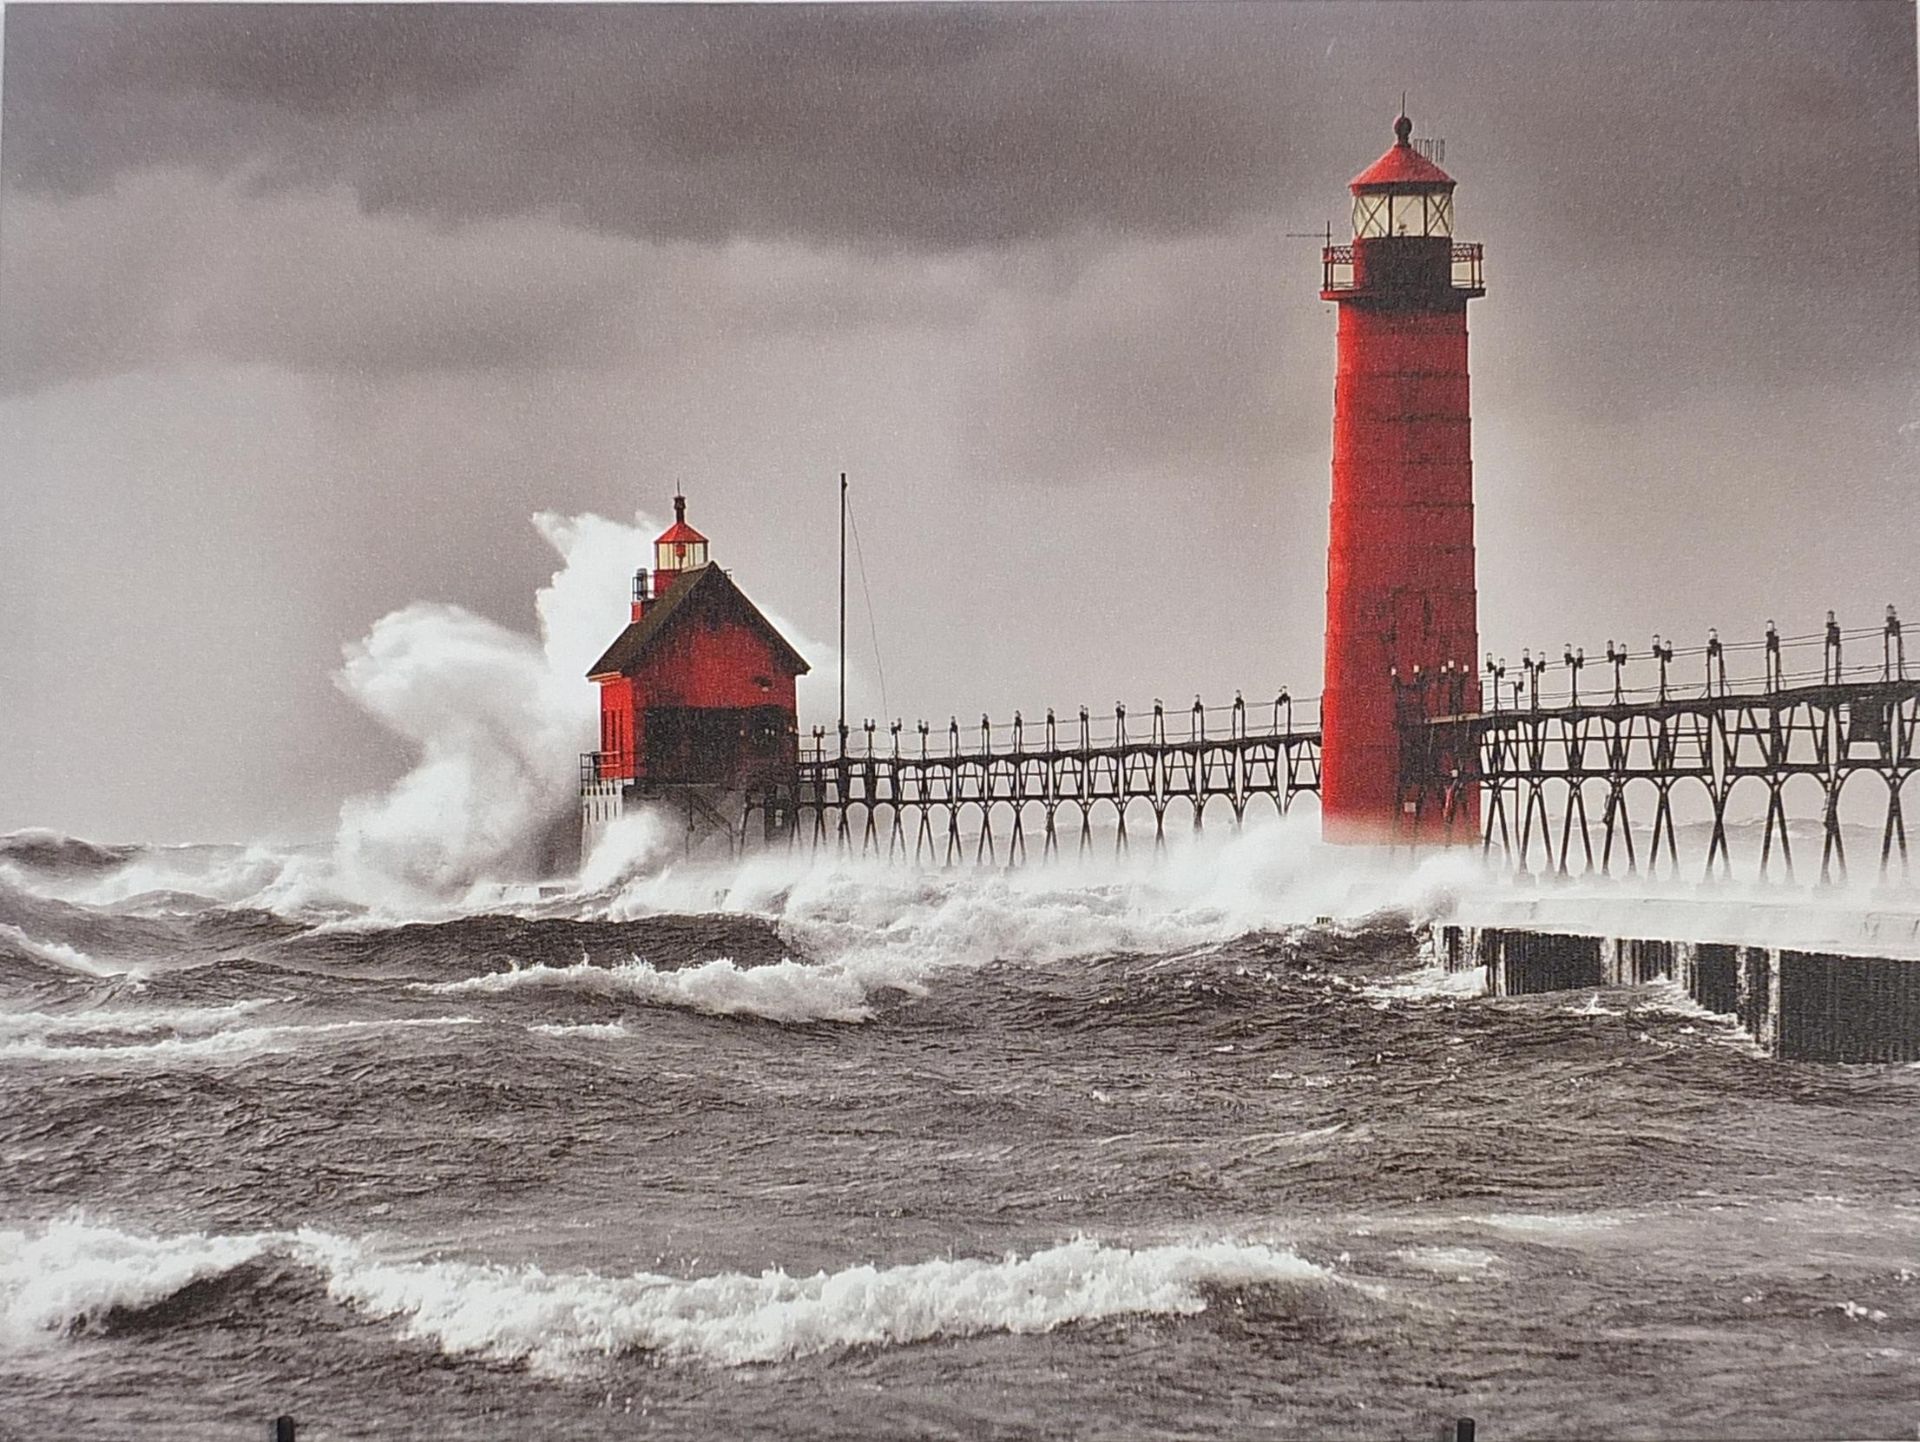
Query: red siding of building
{"points": [[709, 660], [1400, 563], [620, 725], [715, 661]]}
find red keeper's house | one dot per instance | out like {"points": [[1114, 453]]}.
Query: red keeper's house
{"points": [[696, 697]]}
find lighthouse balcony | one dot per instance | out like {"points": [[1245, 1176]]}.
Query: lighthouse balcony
{"points": [[1391, 265]]}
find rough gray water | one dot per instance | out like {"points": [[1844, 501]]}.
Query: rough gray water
{"points": [[946, 1157]]}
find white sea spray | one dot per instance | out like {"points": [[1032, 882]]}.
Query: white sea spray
{"points": [[232, 1045], [69, 1275], [68, 958], [785, 991]]}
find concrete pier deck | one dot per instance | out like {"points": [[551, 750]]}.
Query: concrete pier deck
{"points": [[1799, 1002]]}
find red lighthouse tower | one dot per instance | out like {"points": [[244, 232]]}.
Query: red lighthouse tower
{"points": [[1401, 612], [697, 700]]}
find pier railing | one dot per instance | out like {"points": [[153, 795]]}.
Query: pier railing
{"points": [[1710, 760], [1578, 773], [980, 792], [598, 766], [1283, 715], [1832, 655]]}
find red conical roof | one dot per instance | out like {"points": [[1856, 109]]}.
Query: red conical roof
{"points": [[1400, 166], [679, 530]]}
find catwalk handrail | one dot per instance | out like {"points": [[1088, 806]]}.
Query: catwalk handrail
{"points": [[988, 787], [1664, 672], [1828, 705], [1051, 735], [1787, 726]]}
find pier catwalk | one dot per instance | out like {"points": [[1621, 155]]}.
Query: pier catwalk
{"points": [[1669, 754]]}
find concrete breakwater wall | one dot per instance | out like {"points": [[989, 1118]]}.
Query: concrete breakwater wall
{"points": [[1799, 1005]]}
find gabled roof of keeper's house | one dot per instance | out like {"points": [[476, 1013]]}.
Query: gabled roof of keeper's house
{"points": [[692, 592]]}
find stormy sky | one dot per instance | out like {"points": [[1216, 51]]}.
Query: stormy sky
{"points": [[305, 311]]}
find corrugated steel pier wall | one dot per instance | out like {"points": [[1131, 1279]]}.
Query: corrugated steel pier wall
{"points": [[1799, 1005]]}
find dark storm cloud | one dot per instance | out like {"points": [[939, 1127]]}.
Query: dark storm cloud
{"points": [[922, 125], [942, 126], [173, 266], [299, 58], [1772, 210]]}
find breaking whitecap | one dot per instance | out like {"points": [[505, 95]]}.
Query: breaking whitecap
{"points": [[74, 1275]]}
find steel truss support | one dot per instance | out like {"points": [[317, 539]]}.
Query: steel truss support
{"points": [[1536, 766], [1022, 789]]}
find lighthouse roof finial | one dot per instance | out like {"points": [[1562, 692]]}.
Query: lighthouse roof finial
{"points": [[1403, 168], [679, 530]]}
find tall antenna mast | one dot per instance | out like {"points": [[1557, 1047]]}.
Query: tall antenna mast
{"points": [[843, 613]]}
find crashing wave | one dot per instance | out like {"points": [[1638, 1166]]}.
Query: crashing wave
{"points": [[59, 954], [72, 1275], [787, 991]]}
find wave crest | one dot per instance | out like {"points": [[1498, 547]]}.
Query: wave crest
{"points": [[237, 1045], [189, 1020], [555, 1321], [59, 954], [73, 1275], [45, 850], [787, 991]]}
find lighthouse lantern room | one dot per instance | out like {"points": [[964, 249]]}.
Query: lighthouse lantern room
{"points": [[680, 548], [697, 700]]}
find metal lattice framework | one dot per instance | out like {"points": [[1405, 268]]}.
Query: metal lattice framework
{"points": [[1567, 781], [1786, 728], [980, 797]]}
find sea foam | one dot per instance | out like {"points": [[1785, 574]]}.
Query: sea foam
{"points": [[70, 1275], [555, 1320], [593, 1030], [786, 991], [1430, 983], [124, 1020], [236, 1045], [67, 958]]}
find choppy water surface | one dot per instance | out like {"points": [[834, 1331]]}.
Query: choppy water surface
{"points": [[878, 1155]]}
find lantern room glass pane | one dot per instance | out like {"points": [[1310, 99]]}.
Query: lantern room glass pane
{"points": [[1369, 215], [1440, 214], [1411, 215]]}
